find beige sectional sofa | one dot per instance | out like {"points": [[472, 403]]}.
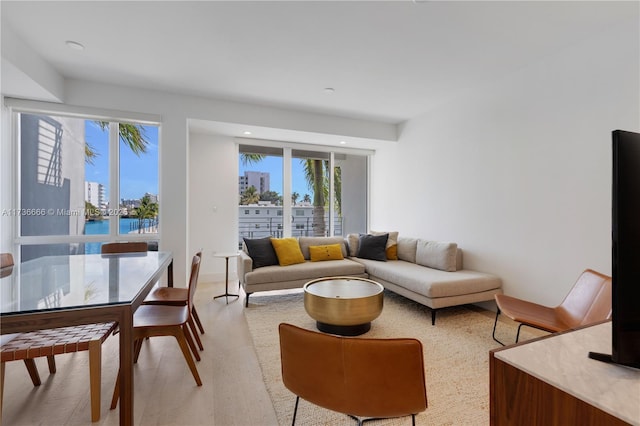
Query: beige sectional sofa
{"points": [[428, 272], [276, 277]]}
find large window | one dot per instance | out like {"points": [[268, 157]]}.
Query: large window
{"points": [[319, 189], [260, 186], [83, 182]]}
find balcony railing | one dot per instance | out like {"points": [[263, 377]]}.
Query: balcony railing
{"points": [[272, 227]]}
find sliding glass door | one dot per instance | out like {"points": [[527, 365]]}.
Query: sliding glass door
{"points": [[307, 187]]}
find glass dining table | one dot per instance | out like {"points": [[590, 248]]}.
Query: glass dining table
{"points": [[60, 291]]}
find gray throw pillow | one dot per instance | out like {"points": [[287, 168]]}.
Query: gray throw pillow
{"points": [[261, 252], [373, 247]]}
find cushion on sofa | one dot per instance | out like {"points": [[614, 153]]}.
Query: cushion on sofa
{"points": [[326, 252], [306, 242], [373, 246], [430, 282], [407, 249], [261, 252], [437, 255], [352, 244], [304, 271], [392, 244], [287, 250]]}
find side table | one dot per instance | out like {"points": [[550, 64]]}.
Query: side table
{"points": [[226, 256]]}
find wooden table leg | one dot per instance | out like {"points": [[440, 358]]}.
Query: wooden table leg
{"points": [[126, 366]]}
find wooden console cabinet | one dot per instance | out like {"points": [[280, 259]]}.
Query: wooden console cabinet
{"points": [[552, 381]]}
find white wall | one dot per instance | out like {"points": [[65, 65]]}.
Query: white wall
{"points": [[213, 212], [518, 173]]}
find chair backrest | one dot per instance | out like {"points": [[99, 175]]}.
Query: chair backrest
{"points": [[124, 247], [6, 259], [6, 264], [193, 279], [357, 376], [589, 300]]}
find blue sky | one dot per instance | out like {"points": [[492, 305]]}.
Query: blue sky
{"points": [[138, 175], [273, 166]]}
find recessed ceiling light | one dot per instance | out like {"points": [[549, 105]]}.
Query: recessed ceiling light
{"points": [[74, 45], [329, 90], [246, 132], [343, 142]]}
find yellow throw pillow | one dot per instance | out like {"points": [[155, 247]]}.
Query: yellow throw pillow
{"points": [[392, 244], [327, 252], [287, 250]]}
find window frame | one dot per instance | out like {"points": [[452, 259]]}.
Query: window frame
{"points": [[287, 150], [16, 107]]}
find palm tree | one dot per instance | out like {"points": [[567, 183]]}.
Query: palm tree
{"points": [[294, 198], [146, 210], [250, 196], [306, 198], [317, 175], [133, 135]]}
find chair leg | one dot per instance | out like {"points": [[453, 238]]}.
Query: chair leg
{"points": [[1, 388], [52, 364], [184, 346], [116, 392], [495, 324], [196, 318], [433, 317], [518, 333], [295, 411], [95, 377], [33, 371], [194, 333], [187, 336], [137, 347]]}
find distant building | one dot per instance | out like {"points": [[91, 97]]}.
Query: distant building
{"points": [[94, 193], [152, 197], [259, 180], [135, 202], [265, 219]]}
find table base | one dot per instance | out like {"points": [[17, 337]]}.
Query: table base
{"points": [[227, 295], [344, 330]]}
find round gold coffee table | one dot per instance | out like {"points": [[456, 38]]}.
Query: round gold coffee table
{"points": [[343, 305]]}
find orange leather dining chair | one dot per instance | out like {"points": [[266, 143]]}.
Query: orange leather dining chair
{"points": [[178, 297], [166, 320], [49, 342], [360, 377], [588, 302]]}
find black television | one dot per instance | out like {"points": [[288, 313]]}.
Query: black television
{"points": [[625, 221]]}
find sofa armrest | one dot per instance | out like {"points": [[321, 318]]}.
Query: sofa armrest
{"points": [[245, 265]]}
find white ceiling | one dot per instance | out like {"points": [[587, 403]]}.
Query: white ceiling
{"points": [[388, 61]]}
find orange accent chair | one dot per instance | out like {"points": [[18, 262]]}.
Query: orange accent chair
{"points": [[588, 302], [361, 377]]}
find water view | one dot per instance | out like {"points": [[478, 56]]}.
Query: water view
{"points": [[101, 227]]}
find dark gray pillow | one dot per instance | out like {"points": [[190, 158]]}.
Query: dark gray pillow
{"points": [[373, 247], [261, 252]]}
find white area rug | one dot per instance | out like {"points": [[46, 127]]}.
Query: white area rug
{"points": [[456, 355]]}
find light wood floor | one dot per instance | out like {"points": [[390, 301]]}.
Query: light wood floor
{"points": [[232, 393]]}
